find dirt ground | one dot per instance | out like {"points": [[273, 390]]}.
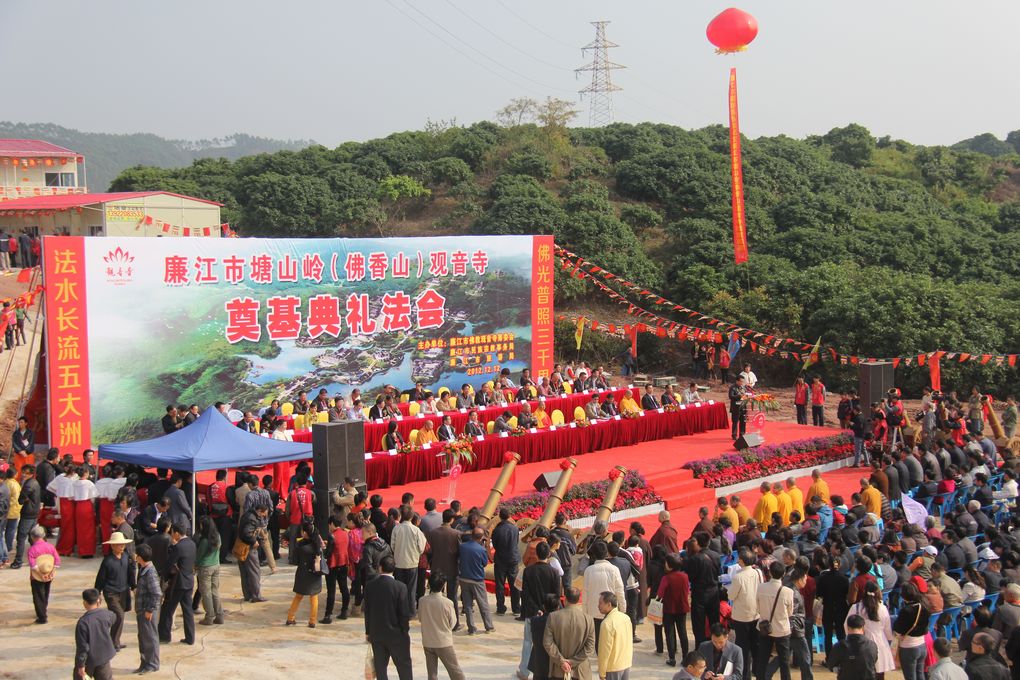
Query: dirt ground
{"points": [[254, 635], [14, 365]]}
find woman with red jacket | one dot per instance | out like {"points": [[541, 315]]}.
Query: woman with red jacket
{"points": [[336, 551], [675, 593]]}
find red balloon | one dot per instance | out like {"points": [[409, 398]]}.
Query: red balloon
{"points": [[732, 30]]}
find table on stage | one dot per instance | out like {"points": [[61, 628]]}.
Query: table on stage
{"points": [[385, 469]]}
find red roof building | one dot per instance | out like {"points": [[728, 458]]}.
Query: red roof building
{"points": [[33, 167]]}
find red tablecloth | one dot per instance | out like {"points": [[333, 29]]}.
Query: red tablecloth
{"points": [[374, 431], [383, 470]]}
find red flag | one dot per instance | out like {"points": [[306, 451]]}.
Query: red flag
{"points": [[24, 276], [935, 371], [737, 177]]}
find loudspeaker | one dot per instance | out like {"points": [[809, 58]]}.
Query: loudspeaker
{"points": [[338, 451], [874, 380], [748, 440], [547, 480]]}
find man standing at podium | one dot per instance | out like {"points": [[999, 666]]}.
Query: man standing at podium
{"points": [[738, 407]]}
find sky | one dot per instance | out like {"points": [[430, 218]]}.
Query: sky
{"points": [[928, 71]]}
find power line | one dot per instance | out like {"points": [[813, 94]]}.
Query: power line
{"points": [[459, 51], [475, 49], [534, 27], [600, 110], [495, 35]]}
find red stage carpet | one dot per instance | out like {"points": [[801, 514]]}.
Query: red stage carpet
{"points": [[659, 461]]}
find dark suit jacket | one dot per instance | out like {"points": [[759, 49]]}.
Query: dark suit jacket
{"points": [[181, 564], [247, 427], [446, 433], [730, 653], [649, 402], [444, 542], [539, 580], [146, 518], [23, 442], [386, 611], [179, 510]]}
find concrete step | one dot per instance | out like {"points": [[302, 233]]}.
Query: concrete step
{"points": [[664, 380]]}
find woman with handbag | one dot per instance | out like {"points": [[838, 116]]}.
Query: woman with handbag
{"points": [[910, 627], [675, 593], [309, 572]]}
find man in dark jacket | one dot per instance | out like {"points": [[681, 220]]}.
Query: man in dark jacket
{"points": [[25, 248], [444, 546], [539, 580], [373, 552], [986, 663], [387, 622], [45, 472], [30, 499], [856, 656], [251, 573], [93, 646], [148, 597], [568, 548], [505, 539], [181, 567]]}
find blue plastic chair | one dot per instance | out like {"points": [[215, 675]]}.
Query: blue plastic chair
{"points": [[951, 629], [943, 503]]}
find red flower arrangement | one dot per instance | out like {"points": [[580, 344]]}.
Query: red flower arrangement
{"points": [[768, 460], [583, 500]]}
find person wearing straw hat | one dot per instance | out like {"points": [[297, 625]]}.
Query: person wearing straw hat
{"points": [[42, 561], [116, 580]]}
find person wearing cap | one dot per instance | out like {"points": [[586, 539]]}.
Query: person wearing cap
{"points": [[116, 580], [921, 566], [42, 561]]}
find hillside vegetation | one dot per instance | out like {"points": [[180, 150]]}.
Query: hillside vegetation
{"points": [[881, 247], [106, 155]]}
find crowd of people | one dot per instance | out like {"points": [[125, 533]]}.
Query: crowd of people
{"points": [[875, 583]]}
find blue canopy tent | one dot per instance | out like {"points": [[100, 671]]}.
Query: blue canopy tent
{"points": [[209, 443]]}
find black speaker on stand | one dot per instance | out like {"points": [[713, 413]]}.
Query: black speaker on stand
{"points": [[338, 451], [874, 380]]}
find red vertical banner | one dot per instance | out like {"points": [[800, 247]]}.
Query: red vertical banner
{"points": [[67, 350], [542, 306], [737, 177], [935, 371]]}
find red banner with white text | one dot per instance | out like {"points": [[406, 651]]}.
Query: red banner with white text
{"points": [[737, 177]]}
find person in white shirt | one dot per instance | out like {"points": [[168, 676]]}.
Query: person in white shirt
{"points": [[743, 592], [601, 576], [691, 394], [775, 605], [1009, 487], [62, 487], [429, 406], [281, 433], [408, 544], [84, 493], [750, 379]]}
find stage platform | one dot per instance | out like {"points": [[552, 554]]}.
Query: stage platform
{"points": [[659, 461]]}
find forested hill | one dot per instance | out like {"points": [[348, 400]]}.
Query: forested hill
{"points": [[879, 246], [106, 155]]}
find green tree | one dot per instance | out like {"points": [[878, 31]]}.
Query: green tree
{"points": [[399, 190], [852, 145]]}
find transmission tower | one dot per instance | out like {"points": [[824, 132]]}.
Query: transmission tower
{"points": [[601, 102]]}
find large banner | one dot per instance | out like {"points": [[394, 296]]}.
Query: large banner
{"points": [[136, 324]]}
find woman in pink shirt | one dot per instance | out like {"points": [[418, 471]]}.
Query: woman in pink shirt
{"points": [[42, 561]]}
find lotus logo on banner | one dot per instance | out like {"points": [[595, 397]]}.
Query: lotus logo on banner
{"points": [[119, 268]]}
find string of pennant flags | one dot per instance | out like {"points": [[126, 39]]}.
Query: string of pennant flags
{"points": [[175, 230], [759, 342]]}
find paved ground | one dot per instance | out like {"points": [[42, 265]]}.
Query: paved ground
{"points": [[253, 633]]}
